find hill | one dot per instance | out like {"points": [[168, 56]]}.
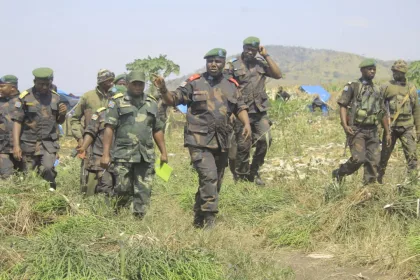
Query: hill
{"points": [[313, 66]]}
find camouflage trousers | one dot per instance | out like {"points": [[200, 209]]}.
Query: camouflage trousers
{"points": [[210, 165], [97, 180], [364, 148], [44, 164], [134, 184], [232, 155], [261, 139], [409, 145], [8, 165]]}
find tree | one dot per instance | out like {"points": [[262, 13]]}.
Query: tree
{"points": [[161, 66], [413, 74]]}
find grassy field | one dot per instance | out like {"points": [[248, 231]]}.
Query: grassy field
{"points": [[261, 233]]}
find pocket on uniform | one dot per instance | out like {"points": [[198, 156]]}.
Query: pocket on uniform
{"points": [[196, 155], [199, 103], [198, 128], [126, 115], [239, 72]]}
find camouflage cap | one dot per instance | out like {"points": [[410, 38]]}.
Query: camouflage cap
{"points": [[216, 52], [253, 41], [9, 79], [120, 77], [400, 65], [43, 73], [367, 63], [105, 75], [136, 76]]}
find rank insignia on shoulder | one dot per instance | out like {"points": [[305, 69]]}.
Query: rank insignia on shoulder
{"points": [[23, 94], [101, 109], [18, 104], [111, 104], [183, 84], [29, 104], [94, 117]]}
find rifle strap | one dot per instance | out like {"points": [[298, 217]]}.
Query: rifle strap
{"points": [[397, 113]]}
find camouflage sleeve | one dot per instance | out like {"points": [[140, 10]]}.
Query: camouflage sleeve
{"points": [[158, 124], [18, 114], [183, 94], [346, 96], [75, 123], [384, 100], [240, 105], [111, 115], [93, 126], [416, 108]]}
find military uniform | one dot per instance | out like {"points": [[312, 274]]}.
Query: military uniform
{"points": [[39, 116], [366, 109], [401, 98], [7, 103], [134, 120], [96, 130], [88, 104], [251, 77]]}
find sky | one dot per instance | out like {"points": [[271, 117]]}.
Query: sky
{"points": [[76, 38]]}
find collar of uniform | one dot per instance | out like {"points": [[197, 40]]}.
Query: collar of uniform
{"points": [[212, 79], [100, 92], [365, 82], [403, 83]]}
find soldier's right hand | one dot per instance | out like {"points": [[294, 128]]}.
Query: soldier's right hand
{"points": [[17, 153], [159, 82], [348, 130], [105, 160]]}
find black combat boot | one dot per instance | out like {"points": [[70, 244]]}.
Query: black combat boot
{"points": [[209, 220], [258, 181], [198, 219], [336, 175]]}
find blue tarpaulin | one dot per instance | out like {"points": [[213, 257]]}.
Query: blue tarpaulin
{"points": [[323, 94], [67, 99]]}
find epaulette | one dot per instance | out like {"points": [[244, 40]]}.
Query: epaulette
{"points": [[100, 109], [23, 94], [232, 80], [194, 77], [118, 95], [53, 91], [152, 97]]}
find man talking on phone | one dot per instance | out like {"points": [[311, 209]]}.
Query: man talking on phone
{"points": [[251, 71]]}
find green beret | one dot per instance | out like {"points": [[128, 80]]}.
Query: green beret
{"points": [[136, 76], [253, 41], [119, 77], [216, 52], [9, 79], [367, 63], [43, 73], [400, 65]]}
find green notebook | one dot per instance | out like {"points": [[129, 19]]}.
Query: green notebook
{"points": [[163, 171]]}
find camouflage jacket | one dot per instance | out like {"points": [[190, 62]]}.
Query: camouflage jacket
{"points": [[251, 78], [7, 105], [394, 94], [39, 116], [365, 102], [88, 104], [210, 103], [96, 128], [134, 121]]}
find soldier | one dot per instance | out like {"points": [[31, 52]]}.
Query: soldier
{"points": [[93, 135], [120, 80], [8, 94], [38, 112], [88, 104], [401, 99], [282, 94], [251, 73], [132, 118], [211, 99], [366, 105]]}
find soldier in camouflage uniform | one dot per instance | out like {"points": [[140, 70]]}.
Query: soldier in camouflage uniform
{"points": [[120, 80], [88, 104], [211, 99], [365, 102], [8, 94], [132, 118], [251, 73], [402, 101], [93, 135], [38, 112]]}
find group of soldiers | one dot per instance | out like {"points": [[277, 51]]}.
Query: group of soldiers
{"points": [[117, 125]]}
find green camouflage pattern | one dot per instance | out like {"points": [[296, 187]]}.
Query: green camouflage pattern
{"points": [[364, 148], [43, 164], [394, 94], [210, 104], [400, 65], [210, 165], [408, 142], [8, 165], [7, 105], [134, 121], [134, 184]]}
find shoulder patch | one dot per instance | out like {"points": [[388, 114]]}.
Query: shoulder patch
{"points": [[23, 94], [346, 88], [152, 97], [232, 80], [94, 117], [118, 95], [194, 77], [100, 109], [18, 104], [111, 104]]}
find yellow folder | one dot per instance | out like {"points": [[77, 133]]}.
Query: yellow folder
{"points": [[163, 171]]}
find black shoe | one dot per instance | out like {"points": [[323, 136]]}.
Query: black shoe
{"points": [[198, 220], [258, 181], [209, 220], [337, 176], [380, 179]]}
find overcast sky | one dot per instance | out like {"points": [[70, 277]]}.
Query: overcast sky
{"points": [[78, 37]]}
